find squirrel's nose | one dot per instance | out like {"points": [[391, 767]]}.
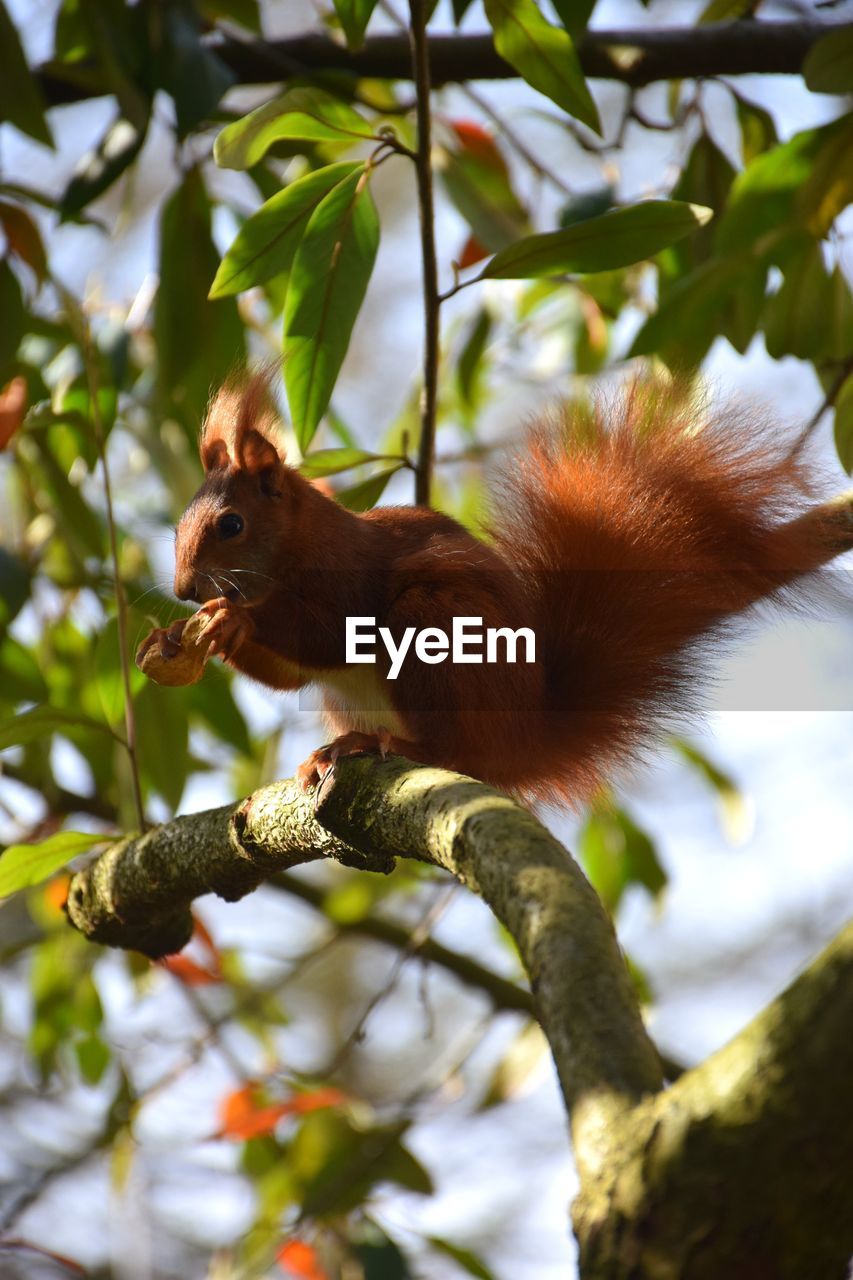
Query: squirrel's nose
{"points": [[185, 588]]}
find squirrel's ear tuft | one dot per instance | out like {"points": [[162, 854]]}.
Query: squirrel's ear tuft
{"points": [[240, 428]]}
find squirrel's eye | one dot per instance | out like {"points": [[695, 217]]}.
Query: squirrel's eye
{"points": [[230, 525]]}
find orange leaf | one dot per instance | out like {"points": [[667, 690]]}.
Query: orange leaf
{"points": [[301, 1260], [188, 971], [56, 892], [242, 1115], [478, 142], [13, 406], [472, 252], [328, 1097]]}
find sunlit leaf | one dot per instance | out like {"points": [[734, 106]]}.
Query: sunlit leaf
{"points": [[464, 1258], [328, 280], [329, 462], [543, 54], [302, 114], [267, 241], [616, 853], [22, 865], [599, 244]]}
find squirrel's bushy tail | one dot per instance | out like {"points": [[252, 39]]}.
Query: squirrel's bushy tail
{"points": [[641, 528]]}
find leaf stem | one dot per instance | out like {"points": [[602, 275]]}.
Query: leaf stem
{"points": [[426, 210]]}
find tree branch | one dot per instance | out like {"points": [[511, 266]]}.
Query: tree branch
{"points": [[137, 895], [633, 56], [742, 1167]]}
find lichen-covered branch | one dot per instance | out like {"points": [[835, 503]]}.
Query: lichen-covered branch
{"points": [[367, 812]]}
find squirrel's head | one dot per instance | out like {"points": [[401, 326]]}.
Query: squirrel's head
{"points": [[231, 538]]}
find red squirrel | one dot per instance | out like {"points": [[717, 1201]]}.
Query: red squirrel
{"points": [[625, 539]]}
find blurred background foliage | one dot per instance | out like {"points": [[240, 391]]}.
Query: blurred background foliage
{"points": [[302, 1159]]}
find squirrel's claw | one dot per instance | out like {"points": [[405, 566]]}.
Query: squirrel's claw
{"points": [[228, 626], [168, 640], [313, 770]]}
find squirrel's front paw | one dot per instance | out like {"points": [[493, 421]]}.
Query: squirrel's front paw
{"points": [[228, 626], [314, 769]]}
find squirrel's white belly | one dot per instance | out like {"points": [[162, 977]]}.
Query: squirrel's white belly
{"points": [[356, 697]]}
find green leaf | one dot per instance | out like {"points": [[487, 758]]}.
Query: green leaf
{"points": [[616, 853], [212, 700], [163, 740], [471, 355], [574, 15], [828, 66], [12, 315], [301, 114], [844, 426], [20, 677], [757, 128], [544, 55], [726, 10], [14, 586], [800, 185], [479, 184], [108, 675], [599, 244], [99, 169], [354, 16], [464, 1258], [197, 340], [22, 865], [329, 462], [267, 241], [21, 102], [328, 280], [691, 313], [363, 496], [734, 811], [191, 71], [93, 1057], [31, 725], [798, 318]]}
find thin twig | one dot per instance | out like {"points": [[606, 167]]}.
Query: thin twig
{"points": [[844, 371], [426, 210], [120, 599]]}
